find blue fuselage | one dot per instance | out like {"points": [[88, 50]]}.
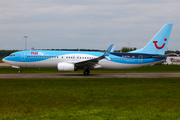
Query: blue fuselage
{"points": [[39, 58]]}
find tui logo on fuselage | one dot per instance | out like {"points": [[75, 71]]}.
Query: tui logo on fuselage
{"points": [[37, 53]]}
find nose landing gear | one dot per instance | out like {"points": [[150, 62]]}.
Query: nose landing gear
{"points": [[19, 71]]}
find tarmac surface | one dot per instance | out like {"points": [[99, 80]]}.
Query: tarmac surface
{"points": [[94, 75]]}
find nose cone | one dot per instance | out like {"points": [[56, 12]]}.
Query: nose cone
{"points": [[4, 59]]}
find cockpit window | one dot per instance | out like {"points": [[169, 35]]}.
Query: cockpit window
{"points": [[12, 55]]}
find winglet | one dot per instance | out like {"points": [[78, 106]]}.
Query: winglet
{"points": [[112, 50], [107, 52]]}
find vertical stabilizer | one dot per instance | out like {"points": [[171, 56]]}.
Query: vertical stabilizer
{"points": [[158, 43]]}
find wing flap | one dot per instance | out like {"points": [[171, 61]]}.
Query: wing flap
{"points": [[93, 62]]}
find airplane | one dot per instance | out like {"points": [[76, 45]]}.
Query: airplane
{"points": [[69, 61]]}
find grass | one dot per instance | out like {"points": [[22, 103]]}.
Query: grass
{"points": [[90, 99], [155, 68]]}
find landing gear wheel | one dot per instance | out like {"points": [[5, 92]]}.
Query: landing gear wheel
{"points": [[86, 72], [19, 71]]}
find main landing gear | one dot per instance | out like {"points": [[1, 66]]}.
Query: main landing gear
{"points": [[86, 72]]}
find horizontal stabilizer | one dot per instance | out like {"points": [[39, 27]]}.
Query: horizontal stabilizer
{"points": [[159, 56]]}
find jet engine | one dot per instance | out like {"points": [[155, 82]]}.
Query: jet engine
{"points": [[67, 67]]}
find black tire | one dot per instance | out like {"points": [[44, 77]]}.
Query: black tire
{"points": [[86, 72], [19, 71]]}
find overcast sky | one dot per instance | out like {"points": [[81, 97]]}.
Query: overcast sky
{"points": [[90, 24]]}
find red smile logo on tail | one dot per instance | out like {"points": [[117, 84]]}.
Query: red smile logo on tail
{"points": [[155, 43]]}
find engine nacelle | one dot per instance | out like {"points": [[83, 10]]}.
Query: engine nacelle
{"points": [[67, 67]]}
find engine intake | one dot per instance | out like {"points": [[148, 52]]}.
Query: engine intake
{"points": [[67, 67]]}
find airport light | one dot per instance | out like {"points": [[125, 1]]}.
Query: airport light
{"points": [[25, 40]]}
